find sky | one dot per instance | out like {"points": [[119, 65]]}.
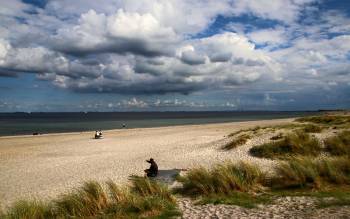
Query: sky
{"points": [[174, 55]]}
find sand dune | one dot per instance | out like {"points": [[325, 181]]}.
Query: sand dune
{"points": [[44, 166]]}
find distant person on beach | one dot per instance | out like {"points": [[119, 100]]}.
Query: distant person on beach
{"points": [[98, 134], [153, 169]]}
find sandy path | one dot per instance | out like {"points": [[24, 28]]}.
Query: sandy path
{"points": [[44, 166]]}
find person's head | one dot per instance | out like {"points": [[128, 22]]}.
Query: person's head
{"points": [[151, 160]]}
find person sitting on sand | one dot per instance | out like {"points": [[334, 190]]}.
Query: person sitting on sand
{"points": [[153, 169]]}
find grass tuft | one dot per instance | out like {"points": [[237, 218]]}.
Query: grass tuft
{"points": [[223, 179], [303, 172], [87, 201], [149, 187], [310, 128], [293, 144], [29, 210], [338, 145], [144, 198], [238, 141]]}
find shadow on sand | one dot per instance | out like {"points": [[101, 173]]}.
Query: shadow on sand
{"points": [[168, 176]]}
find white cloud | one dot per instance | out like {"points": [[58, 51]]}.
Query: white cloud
{"points": [[121, 32], [269, 36], [283, 10]]}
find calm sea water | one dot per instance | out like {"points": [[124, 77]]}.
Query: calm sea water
{"points": [[28, 123]]}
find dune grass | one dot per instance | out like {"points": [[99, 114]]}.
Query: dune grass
{"points": [[310, 128], [29, 210], [277, 137], [326, 119], [338, 145], [223, 179], [238, 141], [298, 143], [144, 198], [304, 172]]}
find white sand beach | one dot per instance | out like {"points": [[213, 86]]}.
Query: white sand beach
{"points": [[47, 165]]}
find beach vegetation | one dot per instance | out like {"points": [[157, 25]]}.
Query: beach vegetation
{"points": [[310, 128], [144, 198], [326, 119], [29, 210], [238, 141], [339, 144], [222, 179], [305, 172], [241, 199], [277, 137], [298, 143]]}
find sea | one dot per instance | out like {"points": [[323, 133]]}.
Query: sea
{"points": [[60, 122]]}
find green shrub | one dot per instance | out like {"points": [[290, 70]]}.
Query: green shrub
{"points": [[222, 179], [338, 145], [240, 140], [293, 144]]}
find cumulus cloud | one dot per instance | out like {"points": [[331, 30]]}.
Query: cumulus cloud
{"points": [[122, 32], [286, 11], [160, 47], [269, 36]]}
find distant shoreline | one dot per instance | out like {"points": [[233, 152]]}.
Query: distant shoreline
{"points": [[136, 128]]}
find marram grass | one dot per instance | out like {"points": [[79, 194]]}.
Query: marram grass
{"points": [[237, 141], [298, 143], [305, 172], [226, 178], [143, 199]]}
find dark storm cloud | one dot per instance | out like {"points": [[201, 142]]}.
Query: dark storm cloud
{"points": [[159, 87], [8, 73], [119, 46]]}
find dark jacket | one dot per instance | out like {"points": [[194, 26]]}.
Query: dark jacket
{"points": [[154, 167]]}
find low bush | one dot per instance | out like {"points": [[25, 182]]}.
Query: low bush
{"points": [[293, 144]]}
